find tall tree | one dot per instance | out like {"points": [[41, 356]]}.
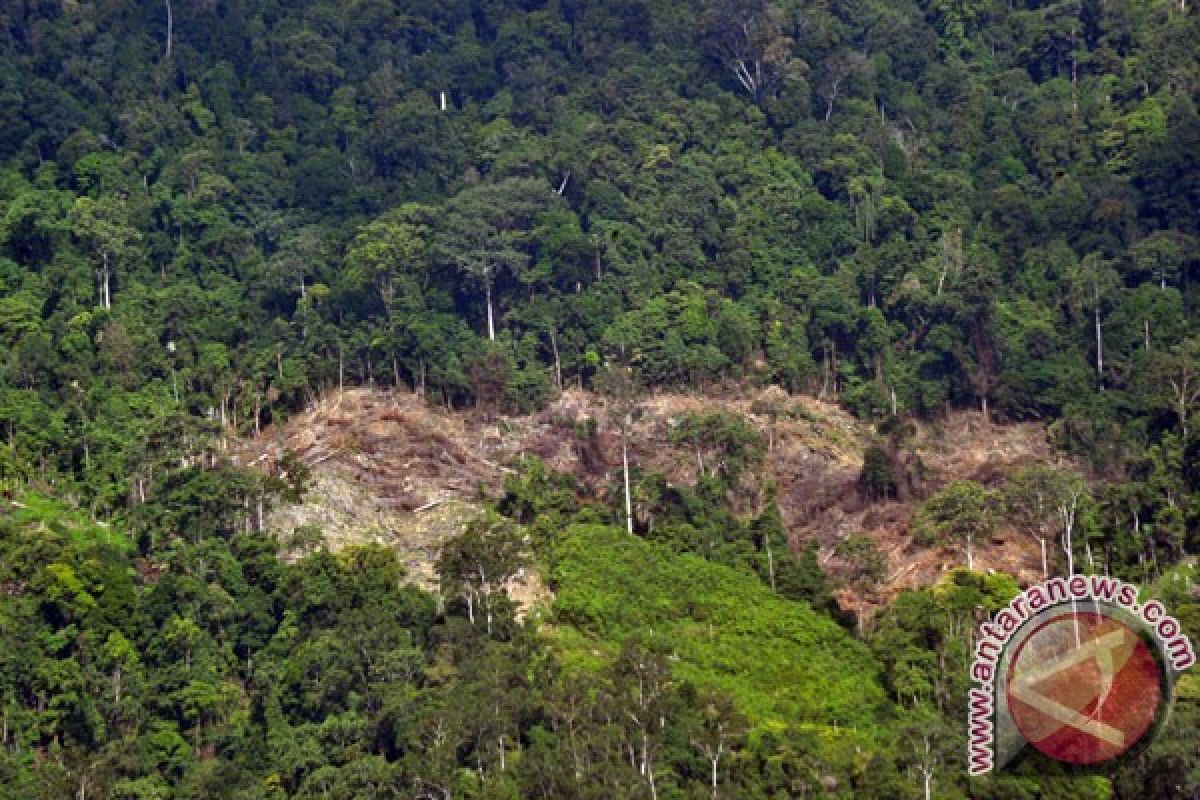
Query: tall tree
{"points": [[963, 511], [619, 388], [1177, 373], [1040, 501], [1092, 284], [391, 255], [479, 565], [103, 224], [485, 232], [747, 37]]}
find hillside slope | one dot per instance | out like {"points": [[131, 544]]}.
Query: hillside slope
{"points": [[388, 467]]}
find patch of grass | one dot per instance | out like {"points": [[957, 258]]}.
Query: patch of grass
{"points": [[783, 663], [35, 510]]}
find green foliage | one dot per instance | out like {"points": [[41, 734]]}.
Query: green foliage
{"points": [[383, 190], [902, 207], [610, 587], [730, 445], [877, 481], [963, 511]]}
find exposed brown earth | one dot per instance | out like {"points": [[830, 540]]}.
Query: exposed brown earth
{"points": [[389, 468]]}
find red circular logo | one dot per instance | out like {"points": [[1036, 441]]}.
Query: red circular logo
{"points": [[1083, 688]]}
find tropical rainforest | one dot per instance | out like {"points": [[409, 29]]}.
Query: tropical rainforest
{"points": [[215, 212]]}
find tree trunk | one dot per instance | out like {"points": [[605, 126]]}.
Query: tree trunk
{"points": [[170, 30], [1068, 547], [1045, 560], [625, 470], [557, 361], [1099, 343], [487, 290], [105, 278], [770, 560]]}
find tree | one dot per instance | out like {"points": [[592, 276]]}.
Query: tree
{"points": [[1042, 500], [928, 744], [1178, 372], [962, 511], [1068, 501], [747, 37], [619, 388], [1161, 256], [1092, 282], [867, 567], [732, 447], [301, 253], [877, 481], [478, 565], [642, 679], [837, 71], [391, 255], [717, 733], [103, 225], [486, 230]]}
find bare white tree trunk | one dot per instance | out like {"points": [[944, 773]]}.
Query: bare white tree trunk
{"points": [[486, 593], [1067, 513], [1187, 391], [557, 362], [170, 29], [625, 470], [105, 282], [487, 291]]}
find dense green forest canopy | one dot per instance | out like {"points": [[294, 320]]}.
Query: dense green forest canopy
{"points": [[212, 211], [201, 664]]}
